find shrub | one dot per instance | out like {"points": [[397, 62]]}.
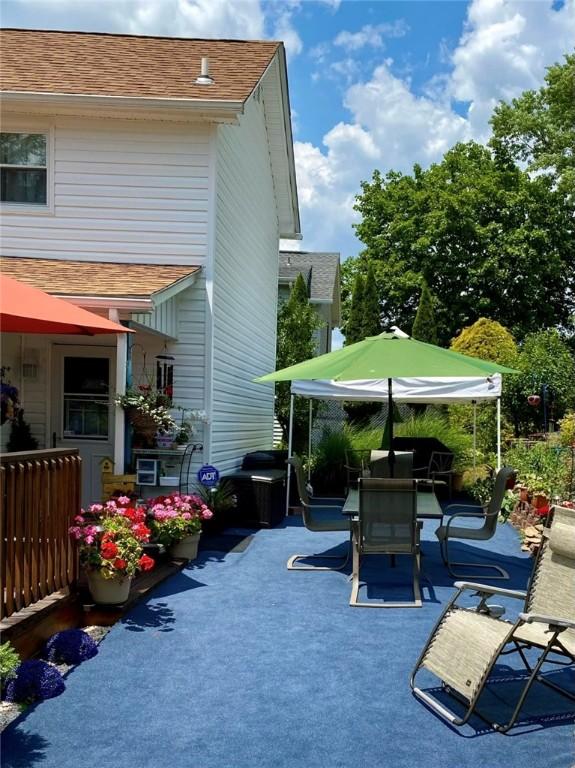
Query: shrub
{"points": [[541, 468], [34, 681], [328, 460], [452, 435], [9, 660], [567, 429], [71, 646]]}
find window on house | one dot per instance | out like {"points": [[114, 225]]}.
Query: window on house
{"points": [[23, 168]]}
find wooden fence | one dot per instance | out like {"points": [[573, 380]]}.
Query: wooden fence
{"points": [[40, 494]]}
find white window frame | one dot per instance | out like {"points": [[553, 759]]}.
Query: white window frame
{"points": [[41, 209]]}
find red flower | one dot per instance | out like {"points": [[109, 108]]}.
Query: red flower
{"points": [[146, 563], [120, 564], [542, 511], [141, 532], [108, 550]]}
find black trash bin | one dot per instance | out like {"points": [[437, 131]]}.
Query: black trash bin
{"points": [[261, 497]]}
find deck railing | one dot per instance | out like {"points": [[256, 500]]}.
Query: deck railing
{"points": [[40, 493]]}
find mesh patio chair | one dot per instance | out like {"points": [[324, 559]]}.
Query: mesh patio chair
{"points": [[489, 513], [465, 644], [356, 465], [439, 471], [319, 514], [402, 466], [387, 524]]}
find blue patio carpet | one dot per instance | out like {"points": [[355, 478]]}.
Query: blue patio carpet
{"points": [[238, 663]]}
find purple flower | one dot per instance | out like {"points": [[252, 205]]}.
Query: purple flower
{"points": [[70, 647], [35, 681]]}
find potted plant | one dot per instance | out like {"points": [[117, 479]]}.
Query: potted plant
{"points": [[176, 522], [110, 539], [148, 410]]}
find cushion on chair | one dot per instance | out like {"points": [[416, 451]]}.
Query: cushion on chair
{"points": [[562, 539]]}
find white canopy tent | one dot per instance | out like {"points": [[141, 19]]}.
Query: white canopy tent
{"points": [[410, 390]]}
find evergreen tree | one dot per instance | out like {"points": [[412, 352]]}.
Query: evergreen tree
{"points": [[371, 324], [297, 323], [354, 325], [424, 326], [21, 438]]}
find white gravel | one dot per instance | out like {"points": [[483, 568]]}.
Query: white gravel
{"points": [[10, 711]]}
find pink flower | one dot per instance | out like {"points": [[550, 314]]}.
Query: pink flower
{"points": [[89, 539], [124, 500], [207, 514], [96, 508], [75, 531], [186, 516], [78, 519]]}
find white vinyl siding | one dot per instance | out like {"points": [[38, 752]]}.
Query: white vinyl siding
{"points": [[123, 191], [245, 291]]}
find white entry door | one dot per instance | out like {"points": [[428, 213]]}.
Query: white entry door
{"points": [[83, 409]]}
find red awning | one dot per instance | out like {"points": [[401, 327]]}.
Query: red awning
{"points": [[24, 309]]}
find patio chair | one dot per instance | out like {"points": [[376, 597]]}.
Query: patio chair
{"points": [[319, 515], [439, 471], [489, 514], [387, 524], [356, 465], [466, 643]]}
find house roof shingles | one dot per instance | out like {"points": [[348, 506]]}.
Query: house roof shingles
{"points": [[89, 278], [323, 267], [41, 61]]}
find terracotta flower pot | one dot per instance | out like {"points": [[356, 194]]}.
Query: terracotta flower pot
{"points": [[108, 591], [540, 501], [186, 548]]}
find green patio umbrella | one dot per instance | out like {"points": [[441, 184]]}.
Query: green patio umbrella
{"points": [[387, 356]]}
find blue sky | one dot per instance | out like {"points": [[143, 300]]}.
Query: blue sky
{"points": [[373, 84]]}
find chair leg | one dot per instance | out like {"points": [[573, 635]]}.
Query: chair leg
{"points": [[291, 563], [355, 586], [451, 565]]}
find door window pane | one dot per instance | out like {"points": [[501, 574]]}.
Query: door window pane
{"points": [[23, 168], [87, 398]]}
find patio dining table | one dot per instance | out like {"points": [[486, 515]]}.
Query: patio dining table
{"points": [[428, 506]]}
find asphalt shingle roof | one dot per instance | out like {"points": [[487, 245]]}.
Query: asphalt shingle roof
{"points": [[42, 61], [323, 267], [90, 278]]}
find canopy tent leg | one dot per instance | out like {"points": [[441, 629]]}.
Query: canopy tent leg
{"points": [[474, 436], [310, 419], [290, 440], [391, 454], [498, 434]]}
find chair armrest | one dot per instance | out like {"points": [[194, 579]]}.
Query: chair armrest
{"points": [[529, 618], [488, 589]]}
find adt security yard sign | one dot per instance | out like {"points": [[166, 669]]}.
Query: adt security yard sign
{"points": [[208, 476]]}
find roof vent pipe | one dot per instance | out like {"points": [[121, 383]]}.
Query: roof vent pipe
{"points": [[205, 78]]}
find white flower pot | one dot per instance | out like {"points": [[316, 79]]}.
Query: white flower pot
{"points": [[108, 591], [186, 548]]}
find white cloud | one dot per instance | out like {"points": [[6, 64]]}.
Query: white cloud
{"points": [[370, 35], [503, 50], [284, 30], [193, 18]]}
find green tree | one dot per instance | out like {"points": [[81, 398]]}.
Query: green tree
{"points": [[538, 128], [489, 239], [487, 340], [297, 325], [424, 326], [545, 361], [371, 323], [353, 329]]}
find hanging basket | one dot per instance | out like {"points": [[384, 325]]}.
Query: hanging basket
{"points": [[144, 425]]}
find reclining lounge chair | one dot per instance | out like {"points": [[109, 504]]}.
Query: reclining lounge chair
{"points": [[465, 643]]}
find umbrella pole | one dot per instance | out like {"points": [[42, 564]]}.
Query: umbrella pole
{"points": [[498, 434], [310, 417], [391, 454], [290, 440]]}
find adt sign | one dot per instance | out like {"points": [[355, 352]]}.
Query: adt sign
{"points": [[208, 476]]}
